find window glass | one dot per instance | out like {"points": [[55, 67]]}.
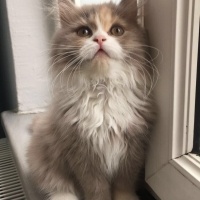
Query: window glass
{"points": [[196, 146]]}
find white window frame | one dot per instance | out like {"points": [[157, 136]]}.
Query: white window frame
{"points": [[170, 172]]}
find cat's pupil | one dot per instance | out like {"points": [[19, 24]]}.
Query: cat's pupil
{"points": [[117, 30], [85, 32]]}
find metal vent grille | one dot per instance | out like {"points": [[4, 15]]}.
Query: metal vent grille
{"points": [[10, 184]]}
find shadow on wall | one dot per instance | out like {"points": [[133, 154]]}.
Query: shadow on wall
{"points": [[8, 97]]}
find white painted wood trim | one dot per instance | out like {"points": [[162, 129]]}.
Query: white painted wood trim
{"points": [[189, 166], [170, 184], [170, 173], [185, 65]]}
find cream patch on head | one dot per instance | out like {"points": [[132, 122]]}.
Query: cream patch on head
{"points": [[105, 17]]}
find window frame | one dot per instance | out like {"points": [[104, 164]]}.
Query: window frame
{"points": [[170, 172]]}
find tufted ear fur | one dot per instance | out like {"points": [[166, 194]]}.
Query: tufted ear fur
{"points": [[65, 7], [128, 9]]}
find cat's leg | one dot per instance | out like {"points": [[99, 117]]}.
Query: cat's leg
{"points": [[124, 195], [63, 196], [97, 191], [124, 186], [98, 195], [95, 186]]}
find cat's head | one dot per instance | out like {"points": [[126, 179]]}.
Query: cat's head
{"points": [[98, 40]]}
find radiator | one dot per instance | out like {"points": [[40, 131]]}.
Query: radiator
{"points": [[10, 183]]}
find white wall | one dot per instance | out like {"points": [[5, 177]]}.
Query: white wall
{"points": [[30, 34]]}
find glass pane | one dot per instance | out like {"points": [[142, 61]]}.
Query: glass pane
{"points": [[196, 146], [8, 96]]}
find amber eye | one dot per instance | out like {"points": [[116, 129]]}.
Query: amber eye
{"points": [[84, 32], [117, 31]]}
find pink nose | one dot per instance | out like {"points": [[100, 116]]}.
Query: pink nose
{"points": [[99, 39]]}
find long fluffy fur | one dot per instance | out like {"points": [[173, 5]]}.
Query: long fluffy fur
{"points": [[91, 142]]}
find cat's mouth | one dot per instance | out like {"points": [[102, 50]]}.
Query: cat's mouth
{"points": [[100, 54]]}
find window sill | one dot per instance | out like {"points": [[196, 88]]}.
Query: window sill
{"points": [[16, 130], [189, 166], [179, 179]]}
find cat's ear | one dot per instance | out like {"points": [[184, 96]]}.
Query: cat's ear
{"points": [[64, 8], [128, 9]]}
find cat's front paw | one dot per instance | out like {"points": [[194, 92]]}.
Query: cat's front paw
{"points": [[63, 196], [125, 196]]}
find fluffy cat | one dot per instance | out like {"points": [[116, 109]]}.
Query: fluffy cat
{"points": [[90, 143]]}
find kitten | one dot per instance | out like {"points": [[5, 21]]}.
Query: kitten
{"points": [[90, 144]]}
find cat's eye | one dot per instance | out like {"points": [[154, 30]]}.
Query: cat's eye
{"points": [[84, 32], [117, 31]]}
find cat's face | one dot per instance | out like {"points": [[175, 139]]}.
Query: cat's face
{"points": [[93, 39]]}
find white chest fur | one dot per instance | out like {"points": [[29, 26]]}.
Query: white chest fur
{"points": [[104, 109], [103, 114]]}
